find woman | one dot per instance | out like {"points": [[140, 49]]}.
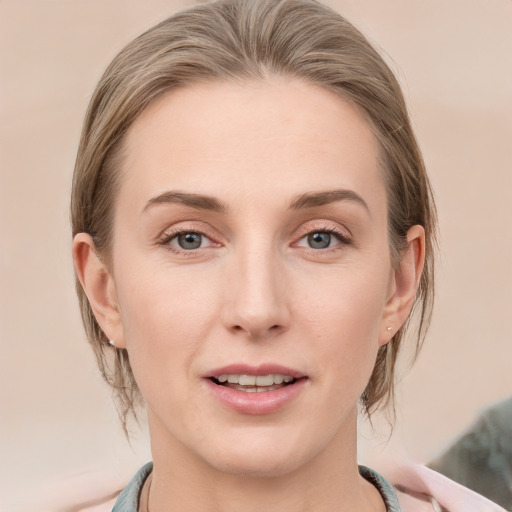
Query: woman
{"points": [[253, 226]]}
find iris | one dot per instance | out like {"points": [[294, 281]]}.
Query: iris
{"points": [[189, 240], [319, 240]]}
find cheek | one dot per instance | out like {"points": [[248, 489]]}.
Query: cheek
{"points": [[166, 315], [347, 299], [342, 313]]}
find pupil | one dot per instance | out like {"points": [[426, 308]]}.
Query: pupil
{"points": [[319, 240], [189, 241]]}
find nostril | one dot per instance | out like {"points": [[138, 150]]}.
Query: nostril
{"points": [[256, 329]]}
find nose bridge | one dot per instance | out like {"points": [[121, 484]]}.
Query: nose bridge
{"points": [[257, 304]]}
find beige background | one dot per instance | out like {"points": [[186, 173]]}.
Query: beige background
{"points": [[57, 421]]}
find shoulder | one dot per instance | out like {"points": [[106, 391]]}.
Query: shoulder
{"points": [[128, 500], [421, 487], [383, 486], [395, 499]]}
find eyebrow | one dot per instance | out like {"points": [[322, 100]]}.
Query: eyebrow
{"points": [[197, 201], [205, 202], [312, 199]]}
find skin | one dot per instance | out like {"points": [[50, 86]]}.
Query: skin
{"points": [[254, 292]]}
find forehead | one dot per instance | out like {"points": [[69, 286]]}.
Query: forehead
{"points": [[275, 137]]}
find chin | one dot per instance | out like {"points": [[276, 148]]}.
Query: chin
{"points": [[263, 466], [263, 457]]}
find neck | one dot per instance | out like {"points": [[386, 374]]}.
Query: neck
{"points": [[329, 481]]}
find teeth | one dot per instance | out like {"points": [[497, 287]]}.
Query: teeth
{"points": [[247, 380], [252, 380], [264, 380]]}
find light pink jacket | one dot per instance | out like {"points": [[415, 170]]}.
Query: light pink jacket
{"points": [[447, 494]]}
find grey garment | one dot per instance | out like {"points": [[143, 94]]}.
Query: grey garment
{"points": [[482, 458], [383, 486], [128, 500]]}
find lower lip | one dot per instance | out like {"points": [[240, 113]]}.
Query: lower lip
{"points": [[264, 402]]}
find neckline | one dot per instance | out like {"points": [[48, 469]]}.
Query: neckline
{"points": [[385, 489], [131, 498]]}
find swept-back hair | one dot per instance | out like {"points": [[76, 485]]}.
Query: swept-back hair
{"points": [[242, 40]]}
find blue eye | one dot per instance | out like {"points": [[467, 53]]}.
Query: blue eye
{"points": [[188, 241], [324, 239], [320, 240]]}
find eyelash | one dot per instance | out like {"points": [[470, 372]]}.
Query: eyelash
{"points": [[167, 237], [342, 237]]}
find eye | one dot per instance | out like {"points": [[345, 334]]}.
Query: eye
{"points": [[319, 240], [323, 239], [188, 240]]}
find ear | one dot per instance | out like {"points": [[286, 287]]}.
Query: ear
{"points": [[99, 286], [403, 285]]}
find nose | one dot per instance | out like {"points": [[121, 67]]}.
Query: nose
{"points": [[256, 305]]}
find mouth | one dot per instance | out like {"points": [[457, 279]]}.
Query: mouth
{"points": [[254, 383], [255, 390]]}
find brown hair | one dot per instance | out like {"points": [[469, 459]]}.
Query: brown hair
{"points": [[242, 40]]}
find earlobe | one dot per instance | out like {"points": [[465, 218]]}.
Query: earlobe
{"points": [[405, 282], [98, 284]]}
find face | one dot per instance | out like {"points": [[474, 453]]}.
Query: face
{"points": [[251, 271]]}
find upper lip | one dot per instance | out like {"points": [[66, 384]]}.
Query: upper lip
{"points": [[261, 369]]}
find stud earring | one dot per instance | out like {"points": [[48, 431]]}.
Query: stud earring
{"points": [[388, 329], [112, 342]]}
